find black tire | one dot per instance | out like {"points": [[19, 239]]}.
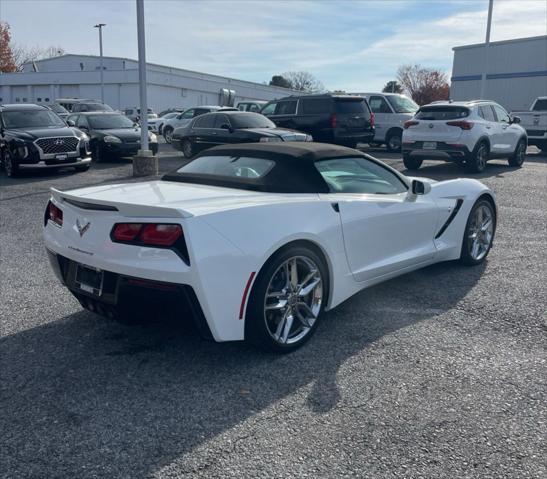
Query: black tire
{"points": [[476, 163], [168, 134], [394, 141], [82, 168], [518, 156], [188, 149], [257, 331], [466, 256], [411, 163], [11, 167]]}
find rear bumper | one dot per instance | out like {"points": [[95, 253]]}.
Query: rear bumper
{"points": [[132, 298], [358, 137], [444, 151]]}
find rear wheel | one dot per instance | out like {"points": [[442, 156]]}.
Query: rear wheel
{"points": [[477, 162], [11, 167], [187, 149], [517, 158], [411, 163], [287, 300], [168, 134], [479, 233], [394, 141]]}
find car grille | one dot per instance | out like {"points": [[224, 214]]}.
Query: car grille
{"points": [[61, 144]]}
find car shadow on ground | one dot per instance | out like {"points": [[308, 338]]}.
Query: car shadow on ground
{"points": [[95, 398]]}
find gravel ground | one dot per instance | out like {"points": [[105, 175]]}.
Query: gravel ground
{"points": [[440, 373]]}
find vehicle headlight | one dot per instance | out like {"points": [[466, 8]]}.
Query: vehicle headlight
{"points": [[22, 151], [111, 139], [84, 137], [268, 139], [309, 138], [153, 138]]}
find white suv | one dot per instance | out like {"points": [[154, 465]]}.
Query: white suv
{"points": [[468, 132]]}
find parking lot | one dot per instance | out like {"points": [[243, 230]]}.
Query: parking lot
{"points": [[439, 373]]}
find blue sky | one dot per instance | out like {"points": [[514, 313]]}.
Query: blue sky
{"points": [[353, 45]]}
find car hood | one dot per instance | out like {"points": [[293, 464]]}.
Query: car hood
{"points": [[286, 135], [35, 133], [121, 133]]}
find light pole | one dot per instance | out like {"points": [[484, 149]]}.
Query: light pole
{"points": [[142, 74], [486, 47], [100, 27]]}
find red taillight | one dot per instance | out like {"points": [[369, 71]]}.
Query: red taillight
{"points": [[464, 125], [160, 235], [55, 214], [409, 123], [150, 234], [126, 231], [372, 118], [333, 120]]}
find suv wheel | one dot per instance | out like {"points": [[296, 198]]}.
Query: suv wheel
{"points": [[394, 141], [517, 158], [10, 165], [168, 134], [411, 163], [477, 162]]}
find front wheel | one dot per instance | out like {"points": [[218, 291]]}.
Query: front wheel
{"points": [[11, 167], [287, 300], [411, 163], [479, 233], [517, 158], [168, 134]]}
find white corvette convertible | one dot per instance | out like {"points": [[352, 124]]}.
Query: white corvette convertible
{"points": [[259, 239]]}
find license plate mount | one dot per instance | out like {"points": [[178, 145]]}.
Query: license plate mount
{"points": [[61, 157], [429, 145], [89, 279]]}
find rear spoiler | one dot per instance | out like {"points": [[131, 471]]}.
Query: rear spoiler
{"points": [[126, 209]]}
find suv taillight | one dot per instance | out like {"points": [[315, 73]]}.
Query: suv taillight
{"points": [[146, 234], [53, 213], [407, 124], [464, 125], [372, 118], [333, 121]]}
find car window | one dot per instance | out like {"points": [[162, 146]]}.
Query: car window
{"points": [[269, 109], [221, 120], [486, 112], [251, 120], [540, 105], [109, 121], [201, 111], [242, 106], [286, 107], [31, 119], [442, 112], [351, 105], [82, 122], [314, 106], [72, 118], [229, 166], [128, 111], [378, 104], [402, 104], [503, 116], [205, 121], [359, 175], [188, 114], [253, 107]]}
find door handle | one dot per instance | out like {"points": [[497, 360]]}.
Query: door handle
{"points": [[488, 127]]}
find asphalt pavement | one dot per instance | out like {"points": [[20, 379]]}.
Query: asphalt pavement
{"points": [[440, 373]]}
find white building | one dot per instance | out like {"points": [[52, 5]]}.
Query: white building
{"points": [[516, 72], [78, 76]]}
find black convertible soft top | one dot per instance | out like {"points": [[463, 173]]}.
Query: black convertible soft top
{"points": [[293, 172]]}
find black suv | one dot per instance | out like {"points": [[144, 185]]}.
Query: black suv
{"points": [[33, 136], [342, 119]]}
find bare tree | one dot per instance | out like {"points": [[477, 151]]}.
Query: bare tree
{"points": [[23, 54], [303, 81], [424, 85]]}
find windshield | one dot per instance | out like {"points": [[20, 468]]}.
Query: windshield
{"points": [[402, 104], [109, 122], [97, 107], [251, 120], [32, 119], [58, 108], [441, 112]]}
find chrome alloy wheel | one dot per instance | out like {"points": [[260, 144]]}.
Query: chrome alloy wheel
{"points": [[481, 232], [521, 154], [482, 157], [293, 300]]}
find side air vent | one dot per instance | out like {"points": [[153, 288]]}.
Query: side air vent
{"points": [[89, 206], [459, 203]]}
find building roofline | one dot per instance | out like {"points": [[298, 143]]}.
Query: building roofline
{"points": [[161, 66], [501, 42]]}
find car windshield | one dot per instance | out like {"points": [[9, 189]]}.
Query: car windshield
{"points": [[441, 112], [58, 108], [228, 166], [402, 104], [97, 107], [109, 122], [32, 119], [353, 106], [251, 120]]}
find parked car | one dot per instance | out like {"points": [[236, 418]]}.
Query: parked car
{"points": [[227, 127], [112, 135], [68, 103], [61, 111], [34, 137], [184, 118], [260, 239], [534, 122], [342, 119], [134, 113], [170, 110], [390, 110], [156, 124], [468, 132], [254, 106], [84, 106]]}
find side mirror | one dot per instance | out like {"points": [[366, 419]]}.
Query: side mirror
{"points": [[515, 119], [420, 187], [70, 123], [225, 126], [179, 117]]}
